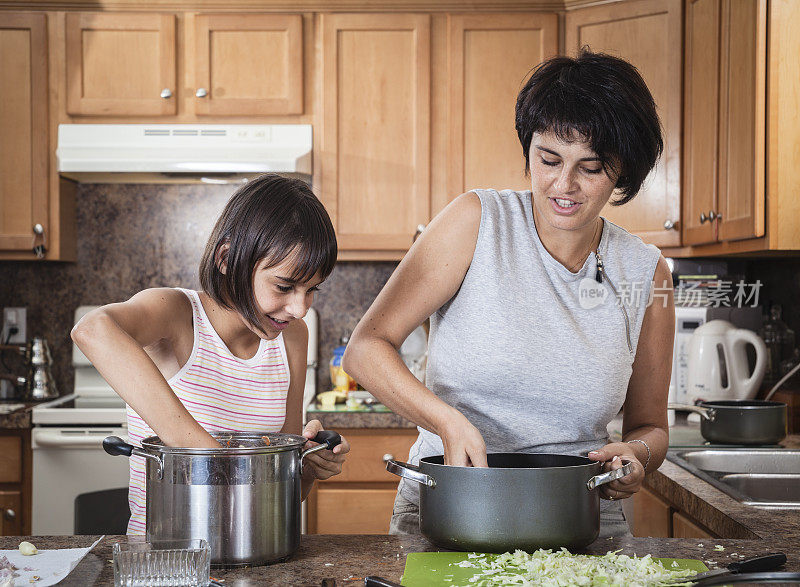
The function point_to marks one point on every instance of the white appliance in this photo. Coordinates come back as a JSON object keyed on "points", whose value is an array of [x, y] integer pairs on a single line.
{"points": [[718, 364], [67, 436], [214, 153]]}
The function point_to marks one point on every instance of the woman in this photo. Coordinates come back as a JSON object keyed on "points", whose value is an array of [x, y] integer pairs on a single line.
{"points": [[529, 349]]}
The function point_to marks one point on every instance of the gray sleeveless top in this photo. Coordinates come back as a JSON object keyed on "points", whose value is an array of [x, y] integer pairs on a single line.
{"points": [[525, 350]]}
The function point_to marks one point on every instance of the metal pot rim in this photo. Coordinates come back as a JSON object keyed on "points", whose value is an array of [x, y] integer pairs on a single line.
{"points": [[289, 442], [743, 404], [587, 462]]}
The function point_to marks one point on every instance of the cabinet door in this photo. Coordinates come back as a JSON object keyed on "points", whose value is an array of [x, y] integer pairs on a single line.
{"points": [[701, 108], [489, 59], [375, 176], [646, 33], [742, 119], [120, 64], [23, 128], [651, 515], [684, 527], [11, 513], [353, 511], [248, 64]]}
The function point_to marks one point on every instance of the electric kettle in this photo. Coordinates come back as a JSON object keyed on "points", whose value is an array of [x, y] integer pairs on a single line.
{"points": [[718, 365]]}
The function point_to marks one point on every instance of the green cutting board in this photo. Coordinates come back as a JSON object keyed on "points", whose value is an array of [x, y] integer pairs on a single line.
{"points": [[428, 569]]}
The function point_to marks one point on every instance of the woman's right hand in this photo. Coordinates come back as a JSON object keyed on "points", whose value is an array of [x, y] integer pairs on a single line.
{"points": [[463, 443]]}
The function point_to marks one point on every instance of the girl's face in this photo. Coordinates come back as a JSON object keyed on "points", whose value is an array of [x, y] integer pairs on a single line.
{"points": [[279, 299], [568, 183]]}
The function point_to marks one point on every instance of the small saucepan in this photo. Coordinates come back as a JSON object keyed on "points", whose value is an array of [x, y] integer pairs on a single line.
{"points": [[739, 421]]}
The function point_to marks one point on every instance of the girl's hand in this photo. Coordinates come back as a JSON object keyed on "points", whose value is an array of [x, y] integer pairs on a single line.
{"points": [[325, 463], [613, 455], [463, 443]]}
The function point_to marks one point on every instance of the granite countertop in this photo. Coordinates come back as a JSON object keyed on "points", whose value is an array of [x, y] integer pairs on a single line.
{"points": [[347, 559], [342, 417], [19, 418]]}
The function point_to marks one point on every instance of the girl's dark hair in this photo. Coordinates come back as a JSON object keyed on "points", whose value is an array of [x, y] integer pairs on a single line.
{"points": [[270, 217], [602, 99]]}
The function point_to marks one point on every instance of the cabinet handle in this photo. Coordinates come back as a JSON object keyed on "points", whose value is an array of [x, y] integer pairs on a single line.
{"points": [[40, 248], [166, 93], [669, 224], [387, 457], [201, 93], [703, 217], [10, 515], [711, 215]]}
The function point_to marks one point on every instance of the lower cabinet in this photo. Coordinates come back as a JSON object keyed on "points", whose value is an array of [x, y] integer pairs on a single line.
{"points": [[360, 499], [654, 517], [15, 482]]}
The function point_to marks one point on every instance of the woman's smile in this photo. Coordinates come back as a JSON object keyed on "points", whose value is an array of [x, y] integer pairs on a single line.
{"points": [[564, 206]]}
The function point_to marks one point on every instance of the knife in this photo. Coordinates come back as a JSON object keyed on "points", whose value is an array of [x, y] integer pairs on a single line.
{"points": [[756, 564]]}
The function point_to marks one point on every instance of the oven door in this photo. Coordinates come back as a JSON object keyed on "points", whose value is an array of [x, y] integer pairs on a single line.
{"points": [[69, 462]]}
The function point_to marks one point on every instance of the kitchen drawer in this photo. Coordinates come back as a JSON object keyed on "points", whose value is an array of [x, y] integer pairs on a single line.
{"points": [[369, 449], [10, 459], [10, 513], [353, 511]]}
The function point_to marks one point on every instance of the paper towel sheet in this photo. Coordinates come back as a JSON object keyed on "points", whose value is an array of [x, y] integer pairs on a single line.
{"points": [[50, 566]]}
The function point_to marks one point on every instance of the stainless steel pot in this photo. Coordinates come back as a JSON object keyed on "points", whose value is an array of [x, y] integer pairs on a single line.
{"points": [[748, 422], [243, 498], [521, 500]]}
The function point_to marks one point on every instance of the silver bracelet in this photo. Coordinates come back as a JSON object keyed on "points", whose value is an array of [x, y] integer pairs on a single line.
{"points": [[648, 451]]}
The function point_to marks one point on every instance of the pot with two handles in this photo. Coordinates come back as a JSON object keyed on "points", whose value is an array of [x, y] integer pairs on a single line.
{"points": [[522, 500], [242, 498]]}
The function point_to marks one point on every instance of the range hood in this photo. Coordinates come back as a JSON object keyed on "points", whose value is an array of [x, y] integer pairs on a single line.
{"points": [[182, 153]]}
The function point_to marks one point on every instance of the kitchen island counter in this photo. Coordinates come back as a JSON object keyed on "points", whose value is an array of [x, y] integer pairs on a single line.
{"points": [[347, 559]]}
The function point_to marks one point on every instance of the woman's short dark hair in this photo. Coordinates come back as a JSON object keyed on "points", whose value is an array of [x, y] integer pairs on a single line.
{"points": [[602, 99], [271, 217]]}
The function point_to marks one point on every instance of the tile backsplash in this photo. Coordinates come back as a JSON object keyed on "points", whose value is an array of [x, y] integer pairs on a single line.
{"points": [[132, 237]]}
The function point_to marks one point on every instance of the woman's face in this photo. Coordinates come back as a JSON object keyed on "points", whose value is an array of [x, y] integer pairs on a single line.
{"points": [[568, 183], [279, 299]]}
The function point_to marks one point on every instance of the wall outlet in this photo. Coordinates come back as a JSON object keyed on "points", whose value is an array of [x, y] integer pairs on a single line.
{"points": [[14, 318]]}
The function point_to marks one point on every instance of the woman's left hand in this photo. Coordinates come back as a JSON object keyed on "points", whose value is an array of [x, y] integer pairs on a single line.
{"points": [[613, 456], [325, 463]]}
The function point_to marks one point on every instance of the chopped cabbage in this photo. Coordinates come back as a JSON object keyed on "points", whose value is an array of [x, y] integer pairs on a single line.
{"points": [[561, 568]]}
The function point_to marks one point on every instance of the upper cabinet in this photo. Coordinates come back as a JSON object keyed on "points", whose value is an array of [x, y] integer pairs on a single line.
{"points": [[648, 34], [725, 120], [248, 64], [375, 130], [24, 148], [121, 64], [490, 57]]}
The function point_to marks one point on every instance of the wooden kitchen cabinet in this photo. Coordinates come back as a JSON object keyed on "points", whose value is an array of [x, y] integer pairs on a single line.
{"points": [[15, 482], [725, 120], [248, 64], [684, 527], [651, 515], [360, 499], [490, 56], [375, 127], [24, 148], [121, 64], [647, 33]]}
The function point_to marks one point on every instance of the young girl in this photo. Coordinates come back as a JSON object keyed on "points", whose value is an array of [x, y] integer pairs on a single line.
{"points": [[232, 356]]}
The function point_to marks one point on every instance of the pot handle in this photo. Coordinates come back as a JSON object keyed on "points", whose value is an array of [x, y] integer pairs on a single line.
{"points": [[115, 446], [706, 413], [327, 439], [410, 472], [609, 476]]}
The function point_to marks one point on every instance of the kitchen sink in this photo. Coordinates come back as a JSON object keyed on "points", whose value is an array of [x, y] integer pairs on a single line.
{"points": [[764, 478]]}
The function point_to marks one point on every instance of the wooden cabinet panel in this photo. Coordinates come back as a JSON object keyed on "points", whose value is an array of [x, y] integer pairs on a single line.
{"points": [[11, 513], [369, 451], [651, 515], [23, 127], [485, 78], [701, 103], [353, 511], [683, 527], [647, 33], [248, 64], [375, 125], [743, 119], [10, 459], [119, 64]]}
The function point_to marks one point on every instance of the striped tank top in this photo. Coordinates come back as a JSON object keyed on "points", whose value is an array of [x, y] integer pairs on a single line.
{"points": [[221, 392]]}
